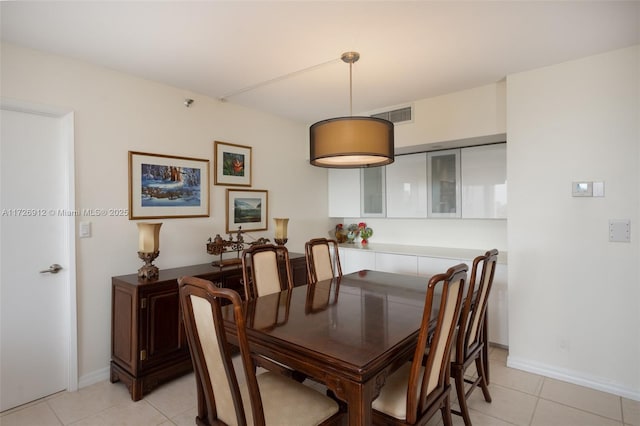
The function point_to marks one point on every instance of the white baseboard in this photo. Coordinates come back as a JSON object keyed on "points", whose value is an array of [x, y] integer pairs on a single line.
{"points": [[94, 377], [574, 377]]}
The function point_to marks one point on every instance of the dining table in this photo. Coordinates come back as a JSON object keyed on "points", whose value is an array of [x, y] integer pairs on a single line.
{"points": [[348, 333]]}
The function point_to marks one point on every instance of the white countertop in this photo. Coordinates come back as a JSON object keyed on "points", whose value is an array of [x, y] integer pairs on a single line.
{"points": [[442, 252]]}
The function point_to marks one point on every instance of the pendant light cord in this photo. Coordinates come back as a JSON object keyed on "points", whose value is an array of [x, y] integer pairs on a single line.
{"points": [[351, 89]]}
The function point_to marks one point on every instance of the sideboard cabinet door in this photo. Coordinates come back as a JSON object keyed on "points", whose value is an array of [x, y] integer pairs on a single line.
{"points": [[161, 326]]}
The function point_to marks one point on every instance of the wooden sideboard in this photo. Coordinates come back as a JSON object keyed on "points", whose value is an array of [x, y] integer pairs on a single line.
{"points": [[148, 342]]}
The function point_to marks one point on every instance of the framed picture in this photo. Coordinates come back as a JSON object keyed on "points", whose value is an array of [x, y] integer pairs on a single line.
{"points": [[247, 209], [232, 164], [166, 186]]}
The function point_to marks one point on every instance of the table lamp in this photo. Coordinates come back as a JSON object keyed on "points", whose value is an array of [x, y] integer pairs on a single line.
{"points": [[281, 230], [149, 242]]}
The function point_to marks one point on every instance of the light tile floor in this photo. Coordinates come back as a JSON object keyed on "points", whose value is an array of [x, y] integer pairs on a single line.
{"points": [[519, 398]]}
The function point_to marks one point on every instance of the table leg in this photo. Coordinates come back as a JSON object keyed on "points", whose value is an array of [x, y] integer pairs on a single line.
{"points": [[358, 397]]}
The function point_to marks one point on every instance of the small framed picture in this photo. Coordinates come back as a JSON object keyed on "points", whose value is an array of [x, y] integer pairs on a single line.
{"points": [[167, 186], [232, 164], [247, 209]]}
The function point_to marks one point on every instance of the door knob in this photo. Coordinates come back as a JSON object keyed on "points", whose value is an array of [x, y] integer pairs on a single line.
{"points": [[53, 269]]}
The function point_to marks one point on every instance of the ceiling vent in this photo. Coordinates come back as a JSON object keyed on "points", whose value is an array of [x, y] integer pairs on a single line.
{"points": [[399, 115]]}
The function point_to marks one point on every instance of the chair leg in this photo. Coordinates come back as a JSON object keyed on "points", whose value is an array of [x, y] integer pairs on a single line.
{"points": [[483, 381], [462, 398], [446, 411]]}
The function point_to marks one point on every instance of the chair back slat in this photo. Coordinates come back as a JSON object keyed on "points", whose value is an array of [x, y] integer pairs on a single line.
{"points": [[427, 383], [323, 260]]}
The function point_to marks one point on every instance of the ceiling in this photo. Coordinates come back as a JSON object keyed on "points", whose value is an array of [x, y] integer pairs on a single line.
{"points": [[287, 53]]}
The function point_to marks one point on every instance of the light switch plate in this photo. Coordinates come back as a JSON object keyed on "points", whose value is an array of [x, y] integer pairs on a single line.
{"points": [[85, 230], [598, 189], [620, 230]]}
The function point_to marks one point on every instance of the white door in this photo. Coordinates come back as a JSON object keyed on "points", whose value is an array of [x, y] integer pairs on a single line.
{"points": [[37, 315]]}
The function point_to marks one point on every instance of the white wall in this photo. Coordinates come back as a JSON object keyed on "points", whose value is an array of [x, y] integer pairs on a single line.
{"points": [[115, 113], [574, 297], [459, 115]]}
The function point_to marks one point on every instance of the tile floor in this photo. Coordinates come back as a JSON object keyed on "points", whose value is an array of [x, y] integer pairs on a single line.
{"points": [[519, 398]]}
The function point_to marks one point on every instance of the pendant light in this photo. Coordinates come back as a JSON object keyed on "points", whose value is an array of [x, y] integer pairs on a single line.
{"points": [[351, 142]]}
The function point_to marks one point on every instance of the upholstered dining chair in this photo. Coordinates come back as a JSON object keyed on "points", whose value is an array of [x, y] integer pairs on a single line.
{"points": [[262, 275], [323, 259], [227, 397], [469, 345], [262, 270], [420, 388]]}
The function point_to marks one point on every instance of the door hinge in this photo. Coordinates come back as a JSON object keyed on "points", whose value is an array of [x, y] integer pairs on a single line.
{"points": [[143, 355], [143, 303]]}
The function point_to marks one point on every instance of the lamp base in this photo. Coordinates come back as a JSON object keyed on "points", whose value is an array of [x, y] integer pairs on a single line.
{"points": [[148, 271], [281, 241]]}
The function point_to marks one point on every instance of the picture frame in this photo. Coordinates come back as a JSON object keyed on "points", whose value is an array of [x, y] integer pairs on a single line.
{"points": [[167, 186], [247, 209], [232, 164]]}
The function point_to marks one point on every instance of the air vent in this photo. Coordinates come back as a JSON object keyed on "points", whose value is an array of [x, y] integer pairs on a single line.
{"points": [[396, 116]]}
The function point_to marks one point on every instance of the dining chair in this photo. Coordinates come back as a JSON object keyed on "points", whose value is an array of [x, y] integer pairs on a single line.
{"points": [[469, 345], [262, 275], [266, 269], [420, 388], [227, 397], [323, 259]]}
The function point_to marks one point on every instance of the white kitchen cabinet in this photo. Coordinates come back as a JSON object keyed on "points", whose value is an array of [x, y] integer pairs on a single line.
{"points": [[484, 181], [429, 266], [344, 192], [443, 179], [353, 260], [372, 191], [397, 263], [407, 186]]}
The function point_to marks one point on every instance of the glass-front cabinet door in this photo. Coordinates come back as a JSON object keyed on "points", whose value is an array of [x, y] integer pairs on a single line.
{"points": [[372, 192], [444, 183]]}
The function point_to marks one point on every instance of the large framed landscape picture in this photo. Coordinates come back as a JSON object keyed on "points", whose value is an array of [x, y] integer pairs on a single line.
{"points": [[232, 164], [247, 209], [166, 186]]}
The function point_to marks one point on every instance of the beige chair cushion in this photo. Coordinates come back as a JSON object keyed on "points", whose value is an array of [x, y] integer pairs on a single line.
{"points": [[393, 395], [266, 273], [289, 403], [322, 261]]}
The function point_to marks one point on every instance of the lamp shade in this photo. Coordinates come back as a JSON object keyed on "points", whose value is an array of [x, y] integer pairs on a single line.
{"points": [[281, 227], [149, 237], [351, 142]]}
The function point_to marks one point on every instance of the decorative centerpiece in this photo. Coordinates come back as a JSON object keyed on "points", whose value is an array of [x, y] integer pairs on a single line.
{"points": [[352, 233], [365, 233], [340, 234], [218, 246]]}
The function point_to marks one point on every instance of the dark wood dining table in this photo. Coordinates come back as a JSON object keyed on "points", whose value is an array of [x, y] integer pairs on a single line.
{"points": [[348, 334]]}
